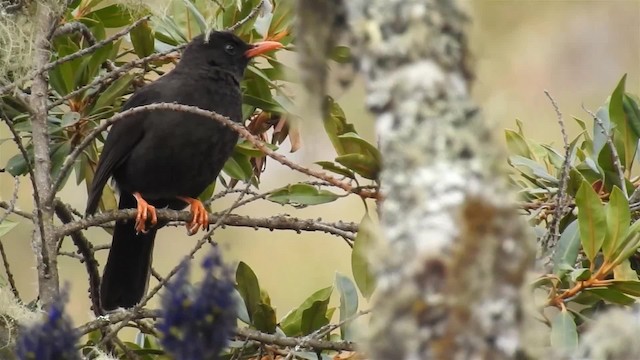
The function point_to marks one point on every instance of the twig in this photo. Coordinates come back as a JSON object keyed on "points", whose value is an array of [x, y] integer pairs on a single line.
{"points": [[137, 314], [254, 12], [364, 193], [115, 73], [553, 234], [635, 196], [293, 341], [5, 205], [279, 222], [12, 202], [23, 151], [77, 26], [616, 158], [327, 329], [7, 270], [194, 250], [85, 248]]}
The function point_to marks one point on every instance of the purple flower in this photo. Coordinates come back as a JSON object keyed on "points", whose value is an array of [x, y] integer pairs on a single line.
{"points": [[54, 338], [197, 321]]}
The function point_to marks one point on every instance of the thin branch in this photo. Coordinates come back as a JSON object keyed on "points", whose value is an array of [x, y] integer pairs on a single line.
{"points": [[279, 222], [7, 270], [254, 335], [77, 26], [112, 75], [203, 240], [12, 202], [254, 12], [5, 205], [85, 248], [294, 341], [616, 157], [553, 234], [23, 151], [66, 166]]}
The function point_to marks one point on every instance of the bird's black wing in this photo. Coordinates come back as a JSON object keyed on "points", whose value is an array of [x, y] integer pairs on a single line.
{"points": [[122, 138]]}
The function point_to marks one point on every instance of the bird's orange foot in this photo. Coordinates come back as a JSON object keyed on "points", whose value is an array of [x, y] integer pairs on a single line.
{"points": [[145, 211], [200, 217]]}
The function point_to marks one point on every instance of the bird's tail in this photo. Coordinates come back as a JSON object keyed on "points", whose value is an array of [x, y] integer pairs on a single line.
{"points": [[126, 274]]}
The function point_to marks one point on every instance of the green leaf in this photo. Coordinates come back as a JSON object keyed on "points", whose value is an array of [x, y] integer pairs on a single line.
{"points": [[248, 287], [238, 166], [291, 323], [592, 221], [69, 118], [113, 16], [360, 265], [516, 144], [631, 288], [567, 249], [57, 158], [246, 148], [314, 317], [632, 110], [200, 21], [301, 195], [564, 334], [262, 103], [264, 318], [335, 124], [283, 15], [580, 275], [624, 272], [622, 127], [113, 92], [531, 168], [17, 165], [334, 168], [63, 78], [341, 54], [348, 304], [629, 246], [142, 39], [618, 221], [611, 295], [361, 164], [6, 226]]}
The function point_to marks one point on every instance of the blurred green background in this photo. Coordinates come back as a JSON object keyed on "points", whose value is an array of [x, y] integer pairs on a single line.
{"points": [[577, 50]]}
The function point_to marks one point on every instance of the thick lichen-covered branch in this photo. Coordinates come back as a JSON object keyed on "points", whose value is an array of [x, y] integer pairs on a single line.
{"points": [[456, 252]]}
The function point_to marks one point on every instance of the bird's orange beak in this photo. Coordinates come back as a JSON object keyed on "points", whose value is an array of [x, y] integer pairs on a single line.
{"points": [[261, 48]]}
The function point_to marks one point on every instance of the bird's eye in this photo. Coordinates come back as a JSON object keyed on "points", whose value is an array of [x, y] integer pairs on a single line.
{"points": [[230, 49]]}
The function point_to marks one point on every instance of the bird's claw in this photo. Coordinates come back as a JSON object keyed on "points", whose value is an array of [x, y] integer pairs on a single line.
{"points": [[200, 217], [146, 212]]}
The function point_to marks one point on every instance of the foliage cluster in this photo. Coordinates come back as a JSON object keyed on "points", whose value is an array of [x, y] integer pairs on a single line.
{"points": [[107, 52], [589, 193]]}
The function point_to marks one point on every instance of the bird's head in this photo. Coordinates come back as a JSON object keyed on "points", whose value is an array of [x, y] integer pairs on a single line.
{"points": [[224, 50]]}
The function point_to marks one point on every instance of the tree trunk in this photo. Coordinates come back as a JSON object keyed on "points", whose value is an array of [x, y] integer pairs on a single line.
{"points": [[44, 242], [456, 252]]}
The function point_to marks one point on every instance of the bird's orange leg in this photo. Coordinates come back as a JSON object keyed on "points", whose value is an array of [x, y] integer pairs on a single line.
{"points": [[200, 217], [145, 211]]}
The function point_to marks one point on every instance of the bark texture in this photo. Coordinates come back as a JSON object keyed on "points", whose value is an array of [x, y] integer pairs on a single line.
{"points": [[456, 252], [45, 241]]}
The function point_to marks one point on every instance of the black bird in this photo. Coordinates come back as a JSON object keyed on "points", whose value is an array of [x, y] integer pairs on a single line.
{"points": [[167, 158]]}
